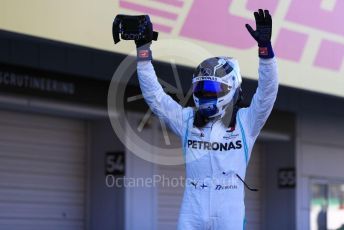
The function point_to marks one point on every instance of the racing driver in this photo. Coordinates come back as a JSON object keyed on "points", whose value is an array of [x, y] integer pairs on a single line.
{"points": [[218, 134]]}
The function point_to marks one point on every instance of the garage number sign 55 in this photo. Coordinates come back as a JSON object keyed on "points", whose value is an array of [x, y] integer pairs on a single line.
{"points": [[286, 178]]}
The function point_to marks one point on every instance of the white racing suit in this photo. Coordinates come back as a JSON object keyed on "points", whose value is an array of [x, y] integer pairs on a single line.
{"points": [[213, 196]]}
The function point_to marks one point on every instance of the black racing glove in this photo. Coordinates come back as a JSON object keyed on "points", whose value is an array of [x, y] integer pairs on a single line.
{"points": [[263, 32], [144, 52]]}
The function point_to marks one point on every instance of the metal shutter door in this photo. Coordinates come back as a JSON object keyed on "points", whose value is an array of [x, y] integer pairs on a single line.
{"points": [[169, 198], [42, 172]]}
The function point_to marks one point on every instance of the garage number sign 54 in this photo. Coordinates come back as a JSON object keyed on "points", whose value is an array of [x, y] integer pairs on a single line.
{"points": [[115, 164]]}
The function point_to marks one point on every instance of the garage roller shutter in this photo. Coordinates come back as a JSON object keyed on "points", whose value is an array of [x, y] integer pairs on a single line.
{"points": [[42, 172]]}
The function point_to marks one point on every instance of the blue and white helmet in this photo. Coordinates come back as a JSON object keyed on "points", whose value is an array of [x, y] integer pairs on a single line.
{"points": [[216, 84]]}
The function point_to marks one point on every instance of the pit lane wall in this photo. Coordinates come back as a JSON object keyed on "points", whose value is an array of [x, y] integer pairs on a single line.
{"points": [[308, 36]]}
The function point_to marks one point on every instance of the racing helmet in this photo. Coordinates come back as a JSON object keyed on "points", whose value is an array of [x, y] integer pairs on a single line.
{"points": [[216, 84]]}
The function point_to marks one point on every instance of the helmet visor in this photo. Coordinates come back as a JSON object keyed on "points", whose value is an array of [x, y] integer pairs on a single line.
{"points": [[210, 89]]}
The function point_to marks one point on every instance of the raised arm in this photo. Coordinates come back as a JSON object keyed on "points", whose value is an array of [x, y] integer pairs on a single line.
{"points": [[263, 100], [159, 102], [255, 116]]}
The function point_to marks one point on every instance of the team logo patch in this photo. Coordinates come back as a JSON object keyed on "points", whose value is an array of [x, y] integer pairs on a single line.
{"points": [[206, 71], [197, 133], [263, 51], [144, 53], [215, 146], [230, 135]]}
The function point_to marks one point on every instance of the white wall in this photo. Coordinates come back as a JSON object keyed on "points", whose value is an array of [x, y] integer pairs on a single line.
{"points": [[320, 154]]}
